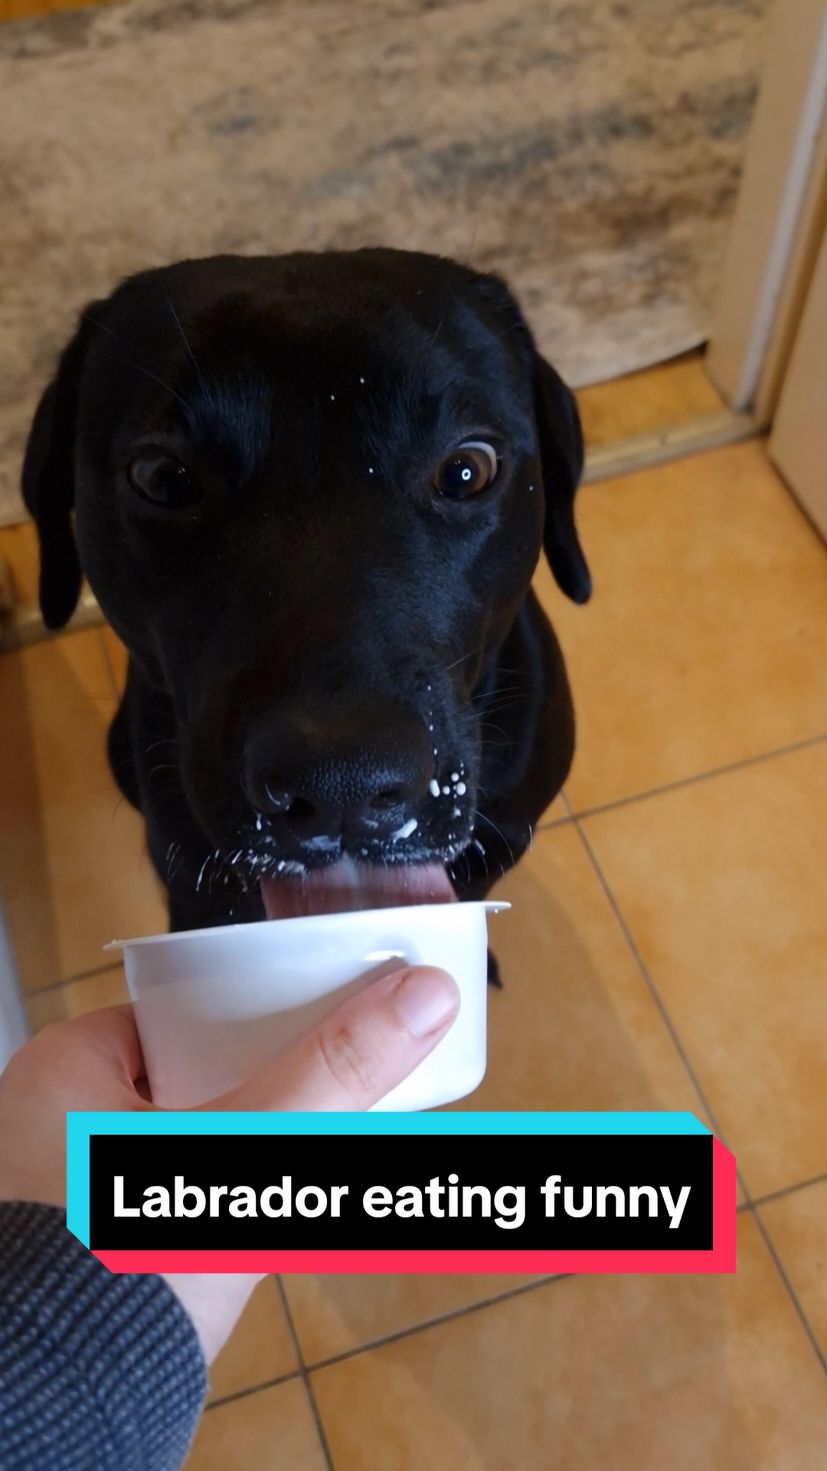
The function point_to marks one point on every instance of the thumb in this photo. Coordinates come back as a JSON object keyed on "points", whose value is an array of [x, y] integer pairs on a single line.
{"points": [[359, 1052]]}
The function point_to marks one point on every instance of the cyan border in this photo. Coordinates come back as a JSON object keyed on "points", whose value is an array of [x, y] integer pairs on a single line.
{"points": [[80, 1126]]}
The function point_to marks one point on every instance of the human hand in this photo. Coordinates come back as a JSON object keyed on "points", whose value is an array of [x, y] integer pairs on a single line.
{"points": [[352, 1058]]}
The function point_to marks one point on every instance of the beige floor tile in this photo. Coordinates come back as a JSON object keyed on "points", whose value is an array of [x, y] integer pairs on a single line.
{"points": [[260, 1348], [273, 1430], [18, 549], [722, 884], [117, 656], [557, 812], [574, 1028], [706, 639], [657, 398], [333, 1314], [74, 998], [797, 1224], [73, 870], [632, 1373]]}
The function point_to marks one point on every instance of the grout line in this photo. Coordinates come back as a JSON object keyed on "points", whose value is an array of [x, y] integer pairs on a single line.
{"points": [[791, 1293], [305, 1369], [308, 1387], [437, 1322], [748, 1203], [790, 1189], [687, 781], [546, 827], [229, 1399], [81, 975], [558, 821], [655, 994]]}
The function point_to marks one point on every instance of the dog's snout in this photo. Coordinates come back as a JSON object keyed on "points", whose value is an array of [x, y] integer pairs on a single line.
{"points": [[356, 773]]}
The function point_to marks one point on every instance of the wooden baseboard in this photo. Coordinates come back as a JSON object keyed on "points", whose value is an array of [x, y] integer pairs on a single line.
{"points": [[23, 625], [642, 451]]}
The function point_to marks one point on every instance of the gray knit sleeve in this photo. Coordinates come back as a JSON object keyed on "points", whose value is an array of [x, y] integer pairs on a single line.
{"points": [[97, 1372]]}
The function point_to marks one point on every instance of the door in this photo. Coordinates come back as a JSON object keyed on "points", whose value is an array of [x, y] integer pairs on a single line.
{"points": [[798, 443], [780, 218]]}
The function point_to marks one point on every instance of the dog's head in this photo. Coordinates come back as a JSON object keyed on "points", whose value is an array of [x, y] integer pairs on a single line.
{"points": [[310, 493]]}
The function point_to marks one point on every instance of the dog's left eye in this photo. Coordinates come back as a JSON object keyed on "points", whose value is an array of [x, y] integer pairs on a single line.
{"points": [[163, 481], [471, 468]]}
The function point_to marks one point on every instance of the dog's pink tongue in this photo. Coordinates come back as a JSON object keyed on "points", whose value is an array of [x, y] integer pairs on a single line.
{"points": [[348, 885]]}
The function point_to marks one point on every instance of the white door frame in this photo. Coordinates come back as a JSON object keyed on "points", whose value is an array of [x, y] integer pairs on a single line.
{"points": [[13, 1026], [780, 215]]}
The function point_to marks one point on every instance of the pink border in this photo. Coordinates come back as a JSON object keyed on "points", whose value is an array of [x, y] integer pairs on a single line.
{"points": [[720, 1259]]}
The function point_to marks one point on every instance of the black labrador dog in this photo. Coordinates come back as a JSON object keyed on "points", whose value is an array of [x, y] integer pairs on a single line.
{"points": [[310, 492]]}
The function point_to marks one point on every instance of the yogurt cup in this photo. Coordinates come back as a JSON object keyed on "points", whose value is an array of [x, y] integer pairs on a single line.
{"points": [[212, 1005]]}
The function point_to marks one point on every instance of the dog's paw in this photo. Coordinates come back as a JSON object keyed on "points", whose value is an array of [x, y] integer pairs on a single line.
{"points": [[494, 977]]}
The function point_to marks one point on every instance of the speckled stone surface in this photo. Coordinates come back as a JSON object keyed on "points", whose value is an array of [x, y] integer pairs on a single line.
{"points": [[590, 151]]}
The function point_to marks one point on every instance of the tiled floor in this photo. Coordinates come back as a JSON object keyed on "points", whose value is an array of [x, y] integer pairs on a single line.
{"points": [[661, 397], [667, 949]]}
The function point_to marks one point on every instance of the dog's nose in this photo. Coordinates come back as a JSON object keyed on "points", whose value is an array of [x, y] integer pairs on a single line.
{"points": [[356, 773]]}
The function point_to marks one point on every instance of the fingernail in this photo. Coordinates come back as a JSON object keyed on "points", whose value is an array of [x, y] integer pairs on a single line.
{"points": [[425, 999]]}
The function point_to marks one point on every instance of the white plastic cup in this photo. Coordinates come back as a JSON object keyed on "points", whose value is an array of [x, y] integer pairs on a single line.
{"points": [[212, 1005]]}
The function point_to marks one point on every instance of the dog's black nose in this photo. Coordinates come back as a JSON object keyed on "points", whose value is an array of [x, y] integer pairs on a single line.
{"points": [[325, 773]]}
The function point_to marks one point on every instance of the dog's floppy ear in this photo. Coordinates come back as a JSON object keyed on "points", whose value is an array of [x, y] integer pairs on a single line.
{"points": [[561, 458], [49, 484]]}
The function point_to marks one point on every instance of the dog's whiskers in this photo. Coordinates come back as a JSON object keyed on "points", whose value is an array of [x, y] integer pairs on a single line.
{"points": [[461, 660], [489, 725], [201, 872], [215, 855], [497, 693], [500, 835], [480, 847], [498, 708], [137, 366], [185, 340], [436, 334], [164, 766]]}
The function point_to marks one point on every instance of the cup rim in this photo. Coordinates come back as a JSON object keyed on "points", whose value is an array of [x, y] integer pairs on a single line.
{"points": [[490, 906]]}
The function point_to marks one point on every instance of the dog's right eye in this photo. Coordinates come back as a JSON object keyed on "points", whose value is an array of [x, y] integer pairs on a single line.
{"points": [[163, 481]]}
